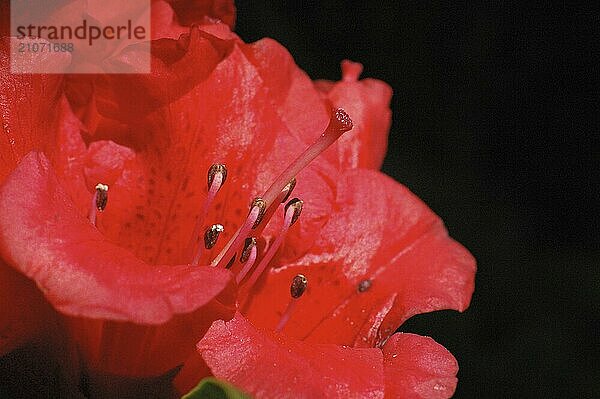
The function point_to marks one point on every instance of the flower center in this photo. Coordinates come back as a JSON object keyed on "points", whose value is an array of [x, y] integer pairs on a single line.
{"points": [[244, 241]]}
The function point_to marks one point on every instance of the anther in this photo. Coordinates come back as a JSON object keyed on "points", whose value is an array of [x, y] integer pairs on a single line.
{"points": [[101, 196], [240, 235], [297, 288], [99, 201], [288, 190], [249, 262], [288, 220], [364, 285], [248, 245], [219, 170], [211, 235], [217, 174], [262, 207], [296, 205], [299, 284]]}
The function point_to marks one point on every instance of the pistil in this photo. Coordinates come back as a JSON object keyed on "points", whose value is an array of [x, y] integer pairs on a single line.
{"points": [[248, 258], [339, 123]]}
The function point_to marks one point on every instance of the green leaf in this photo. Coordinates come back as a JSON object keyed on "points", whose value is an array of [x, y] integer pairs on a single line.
{"points": [[211, 388]]}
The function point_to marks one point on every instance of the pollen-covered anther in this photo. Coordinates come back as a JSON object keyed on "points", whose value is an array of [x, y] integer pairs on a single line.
{"points": [[262, 208], [296, 205], [249, 243], [364, 285], [248, 258], [216, 176], [101, 196], [298, 286], [292, 211], [257, 212], [99, 201], [288, 189], [219, 171], [211, 235]]}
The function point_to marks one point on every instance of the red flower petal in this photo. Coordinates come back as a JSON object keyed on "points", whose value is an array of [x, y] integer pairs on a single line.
{"points": [[273, 366], [378, 231], [220, 120], [79, 272], [269, 365], [110, 296], [418, 367], [28, 107], [177, 66], [368, 102], [292, 92]]}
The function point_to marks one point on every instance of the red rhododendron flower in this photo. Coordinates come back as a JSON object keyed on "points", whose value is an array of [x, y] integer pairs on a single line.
{"points": [[125, 288]]}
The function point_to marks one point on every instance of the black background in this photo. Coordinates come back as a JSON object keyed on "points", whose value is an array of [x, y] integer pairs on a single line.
{"points": [[495, 115]]}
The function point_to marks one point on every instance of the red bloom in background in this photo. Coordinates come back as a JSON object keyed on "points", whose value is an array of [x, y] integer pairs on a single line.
{"points": [[122, 296]]}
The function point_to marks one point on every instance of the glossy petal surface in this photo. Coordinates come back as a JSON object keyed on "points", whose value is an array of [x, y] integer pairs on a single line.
{"points": [[273, 366], [411, 264], [270, 365], [368, 101], [28, 107], [418, 368], [43, 236]]}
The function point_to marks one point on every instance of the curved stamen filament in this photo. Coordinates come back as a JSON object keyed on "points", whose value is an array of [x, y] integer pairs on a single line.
{"points": [[248, 265], [238, 238], [286, 315], [217, 174], [292, 212], [282, 197], [299, 285]]}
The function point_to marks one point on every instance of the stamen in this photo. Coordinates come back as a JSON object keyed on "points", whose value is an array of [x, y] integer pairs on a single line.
{"points": [[251, 250], [297, 205], [217, 174], [99, 201], [281, 198], [217, 170], [211, 235], [262, 206], [339, 123], [299, 285], [257, 210], [292, 213], [288, 189], [364, 285], [248, 245]]}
